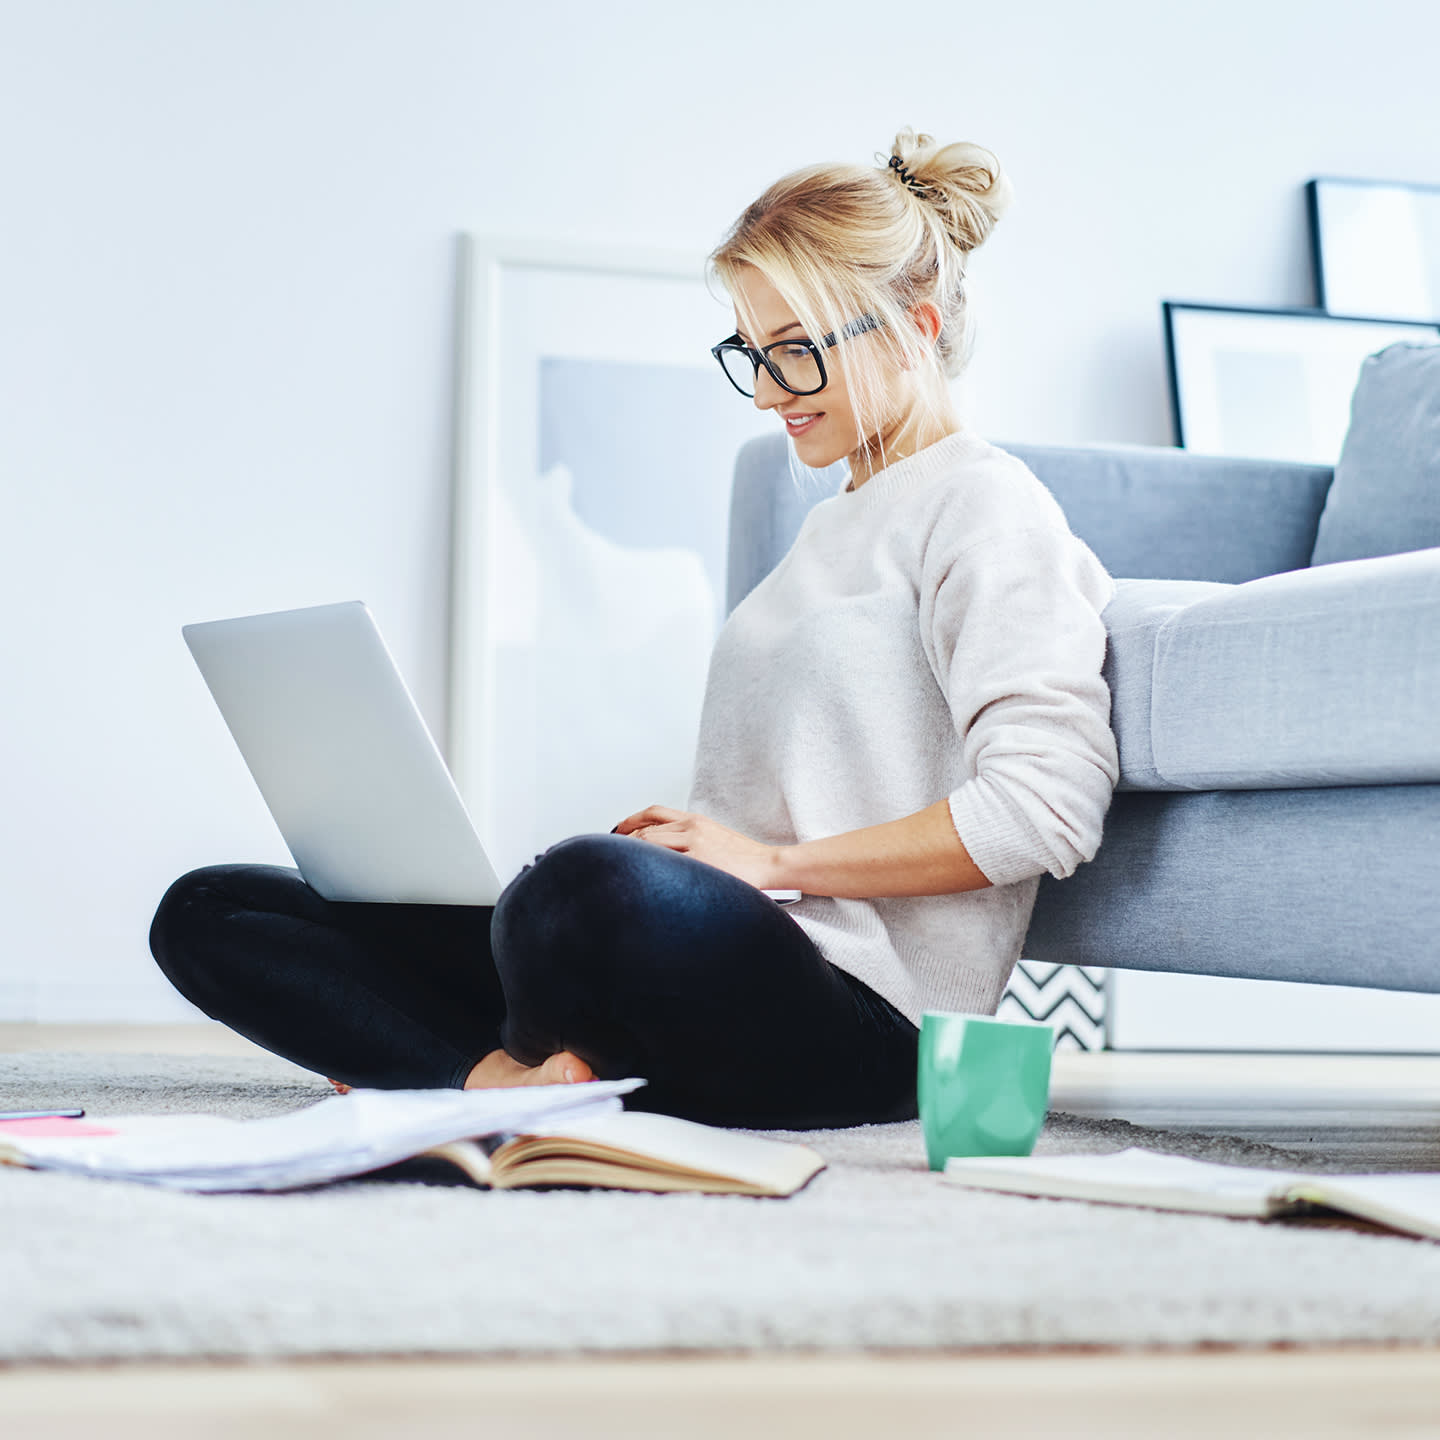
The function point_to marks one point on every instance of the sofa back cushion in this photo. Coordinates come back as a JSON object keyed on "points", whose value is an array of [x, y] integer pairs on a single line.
{"points": [[1385, 497], [1152, 512]]}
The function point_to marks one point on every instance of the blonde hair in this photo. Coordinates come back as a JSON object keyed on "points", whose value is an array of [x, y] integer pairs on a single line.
{"points": [[842, 241]]}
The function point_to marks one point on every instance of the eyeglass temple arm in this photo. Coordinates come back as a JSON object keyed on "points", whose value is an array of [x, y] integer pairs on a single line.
{"points": [[855, 327]]}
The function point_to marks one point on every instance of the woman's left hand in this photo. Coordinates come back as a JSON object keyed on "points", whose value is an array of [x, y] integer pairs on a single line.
{"points": [[707, 840]]}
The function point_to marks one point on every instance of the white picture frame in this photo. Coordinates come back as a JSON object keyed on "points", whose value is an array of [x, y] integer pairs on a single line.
{"points": [[1271, 384], [1376, 247], [585, 601]]}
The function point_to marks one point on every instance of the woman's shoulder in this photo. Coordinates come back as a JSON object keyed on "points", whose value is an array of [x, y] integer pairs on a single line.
{"points": [[985, 491], [991, 513]]}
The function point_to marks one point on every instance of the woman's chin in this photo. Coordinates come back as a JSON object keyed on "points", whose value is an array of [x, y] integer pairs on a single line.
{"points": [[814, 452]]}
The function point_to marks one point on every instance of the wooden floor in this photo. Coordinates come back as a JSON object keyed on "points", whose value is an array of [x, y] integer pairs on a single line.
{"points": [[1373, 1112], [1247, 1396], [1376, 1112]]}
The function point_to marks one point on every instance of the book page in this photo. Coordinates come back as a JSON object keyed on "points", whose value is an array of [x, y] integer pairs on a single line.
{"points": [[1141, 1177], [468, 1157], [1404, 1202], [774, 1165], [19, 1148]]}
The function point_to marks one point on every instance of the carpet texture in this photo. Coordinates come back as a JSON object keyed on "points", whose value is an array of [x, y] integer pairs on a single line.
{"points": [[875, 1253]]}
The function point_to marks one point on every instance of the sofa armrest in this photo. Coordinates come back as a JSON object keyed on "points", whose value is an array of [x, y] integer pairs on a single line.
{"points": [[1317, 677]]}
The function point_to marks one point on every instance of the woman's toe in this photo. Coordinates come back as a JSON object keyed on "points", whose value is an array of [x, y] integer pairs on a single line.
{"points": [[564, 1068]]}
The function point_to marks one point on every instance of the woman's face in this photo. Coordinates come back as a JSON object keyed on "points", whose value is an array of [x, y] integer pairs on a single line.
{"points": [[822, 425]]}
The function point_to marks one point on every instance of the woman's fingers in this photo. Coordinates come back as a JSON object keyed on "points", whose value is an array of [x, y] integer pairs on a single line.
{"points": [[656, 815], [650, 815]]}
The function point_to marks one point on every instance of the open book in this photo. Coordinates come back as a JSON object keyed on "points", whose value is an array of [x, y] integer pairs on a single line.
{"points": [[632, 1150], [533, 1135], [1408, 1202]]}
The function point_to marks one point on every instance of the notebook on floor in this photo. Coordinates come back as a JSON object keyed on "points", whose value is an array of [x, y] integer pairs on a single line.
{"points": [[1407, 1202]]}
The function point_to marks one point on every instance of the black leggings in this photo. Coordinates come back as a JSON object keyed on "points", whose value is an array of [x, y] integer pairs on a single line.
{"points": [[640, 960]]}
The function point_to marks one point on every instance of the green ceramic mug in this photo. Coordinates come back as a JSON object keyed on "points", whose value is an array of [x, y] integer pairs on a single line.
{"points": [[983, 1084]]}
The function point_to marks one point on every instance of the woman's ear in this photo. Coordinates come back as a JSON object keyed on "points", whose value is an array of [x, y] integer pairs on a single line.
{"points": [[927, 316], [927, 320]]}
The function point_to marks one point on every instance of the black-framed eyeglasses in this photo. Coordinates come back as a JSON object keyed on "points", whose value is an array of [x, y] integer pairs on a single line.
{"points": [[794, 365]]}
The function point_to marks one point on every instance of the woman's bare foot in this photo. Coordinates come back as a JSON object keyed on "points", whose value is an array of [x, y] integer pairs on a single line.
{"points": [[499, 1069]]}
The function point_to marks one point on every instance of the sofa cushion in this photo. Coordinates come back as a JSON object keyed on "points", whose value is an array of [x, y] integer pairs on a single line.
{"points": [[1385, 497], [1326, 676], [1337, 884]]}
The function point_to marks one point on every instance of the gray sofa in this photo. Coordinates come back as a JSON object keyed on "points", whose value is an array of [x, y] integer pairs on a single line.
{"points": [[1274, 666]]}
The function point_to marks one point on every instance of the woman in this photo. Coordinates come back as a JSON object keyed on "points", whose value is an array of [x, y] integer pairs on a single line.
{"points": [[906, 720]]}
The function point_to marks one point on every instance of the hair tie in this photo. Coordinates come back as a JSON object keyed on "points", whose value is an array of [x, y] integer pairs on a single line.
{"points": [[917, 187]]}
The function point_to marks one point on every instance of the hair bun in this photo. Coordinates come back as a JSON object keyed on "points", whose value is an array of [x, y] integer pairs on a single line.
{"points": [[964, 182]]}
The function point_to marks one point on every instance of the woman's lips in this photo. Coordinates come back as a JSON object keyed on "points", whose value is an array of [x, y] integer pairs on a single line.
{"points": [[804, 422]]}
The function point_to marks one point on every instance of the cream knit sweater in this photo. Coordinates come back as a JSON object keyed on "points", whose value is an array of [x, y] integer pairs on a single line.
{"points": [[934, 633]]}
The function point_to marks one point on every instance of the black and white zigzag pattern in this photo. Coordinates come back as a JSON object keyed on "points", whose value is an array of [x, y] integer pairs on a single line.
{"points": [[1069, 997]]}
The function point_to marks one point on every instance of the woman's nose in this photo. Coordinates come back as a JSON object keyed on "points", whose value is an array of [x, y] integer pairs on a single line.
{"points": [[767, 393]]}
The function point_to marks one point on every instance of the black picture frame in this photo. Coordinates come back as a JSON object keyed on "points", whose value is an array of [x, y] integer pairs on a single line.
{"points": [[1196, 415]]}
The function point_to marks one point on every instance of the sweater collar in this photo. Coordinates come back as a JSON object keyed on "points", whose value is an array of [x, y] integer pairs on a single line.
{"points": [[933, 461]]}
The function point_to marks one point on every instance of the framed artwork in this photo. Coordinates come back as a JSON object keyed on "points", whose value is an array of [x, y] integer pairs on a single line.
{"points": [[1270, 384], [596, 438], [1376, 248]]}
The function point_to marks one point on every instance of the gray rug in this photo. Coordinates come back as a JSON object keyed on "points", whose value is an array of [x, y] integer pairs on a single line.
{"points": [[876, 1253]]}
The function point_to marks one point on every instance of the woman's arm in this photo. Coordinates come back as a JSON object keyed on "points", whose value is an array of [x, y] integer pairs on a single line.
{"points": [[1012, 626], [920, 854]]}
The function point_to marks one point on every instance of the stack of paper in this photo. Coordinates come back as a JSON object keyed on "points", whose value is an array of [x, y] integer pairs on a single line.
{"points": [[342, 1136]]}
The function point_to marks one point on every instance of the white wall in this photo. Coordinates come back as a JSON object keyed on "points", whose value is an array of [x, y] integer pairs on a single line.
{"points": [[226, 266]]}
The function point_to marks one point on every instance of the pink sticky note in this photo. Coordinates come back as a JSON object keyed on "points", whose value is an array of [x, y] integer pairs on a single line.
{"points": [[53, 1126]]}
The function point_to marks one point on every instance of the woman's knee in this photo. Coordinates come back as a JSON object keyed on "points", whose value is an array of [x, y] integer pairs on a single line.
{"points": [[186, 900], [578, 855], [185, 933], [576, 893]]}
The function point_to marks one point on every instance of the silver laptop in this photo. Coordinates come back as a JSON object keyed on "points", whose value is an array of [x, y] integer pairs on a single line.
{"points": [[343, 757]]}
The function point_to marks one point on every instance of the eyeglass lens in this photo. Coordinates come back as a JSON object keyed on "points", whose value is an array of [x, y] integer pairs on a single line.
{"points": [[798, 367]]}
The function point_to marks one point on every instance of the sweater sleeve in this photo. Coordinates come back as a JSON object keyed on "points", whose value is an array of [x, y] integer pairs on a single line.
{"points": [[1012, 626]]}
